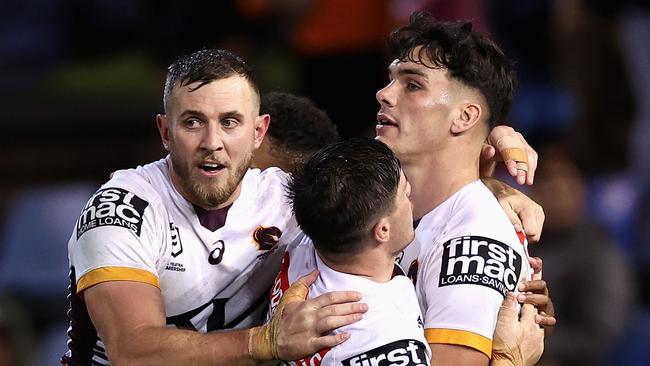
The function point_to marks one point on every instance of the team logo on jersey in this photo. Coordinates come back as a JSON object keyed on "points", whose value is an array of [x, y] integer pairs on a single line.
{"points": [[405, 352], [266, 238], [177, 245], [480, 261], [112, 207]]}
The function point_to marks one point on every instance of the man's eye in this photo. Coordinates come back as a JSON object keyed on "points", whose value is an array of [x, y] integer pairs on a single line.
{"points": [[192, 123], [412, 86], [229, 123]]}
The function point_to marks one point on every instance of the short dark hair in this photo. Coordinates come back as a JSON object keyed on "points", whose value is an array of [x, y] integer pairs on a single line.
{"points": [[339, 192], [298, 128], [467, 55], [206, 66]]}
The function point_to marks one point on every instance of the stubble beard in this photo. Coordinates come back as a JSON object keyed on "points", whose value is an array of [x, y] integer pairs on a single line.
{"points": [[211, 193]]}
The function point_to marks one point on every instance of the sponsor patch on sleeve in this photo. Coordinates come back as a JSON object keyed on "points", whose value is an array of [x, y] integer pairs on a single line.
{"points": [[112, 207], [478, 260], [405, 352]]}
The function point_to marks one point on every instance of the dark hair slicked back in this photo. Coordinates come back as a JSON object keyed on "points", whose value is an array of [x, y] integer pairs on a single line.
{"points": [[205, 66], [467, 55]]}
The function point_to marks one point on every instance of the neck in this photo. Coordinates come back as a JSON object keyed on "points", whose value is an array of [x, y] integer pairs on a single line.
{"points": [[373, 264], [437, 175]]}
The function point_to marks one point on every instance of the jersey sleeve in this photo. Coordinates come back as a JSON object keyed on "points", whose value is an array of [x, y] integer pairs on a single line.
{"points": [[465, 281], [117, 237]]}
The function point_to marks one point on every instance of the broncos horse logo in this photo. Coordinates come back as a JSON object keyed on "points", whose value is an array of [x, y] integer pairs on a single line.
{"points": [[266, 237]]}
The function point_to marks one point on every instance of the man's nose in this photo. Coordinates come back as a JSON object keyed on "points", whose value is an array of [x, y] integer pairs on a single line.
{"points": [[385, 95], [212, 140]]}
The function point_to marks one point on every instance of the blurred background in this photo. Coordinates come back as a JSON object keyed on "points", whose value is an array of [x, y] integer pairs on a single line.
{"points": [[81, 82]]}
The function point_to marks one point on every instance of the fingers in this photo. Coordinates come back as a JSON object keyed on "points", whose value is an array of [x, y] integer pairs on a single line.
{"points": [[336, 297], [510, 212], [302, 324], [522, 211], [532, 163], [343, 309], [488, 161], [299, 290], [537, 264], [532, 219], [513, 151], [511, 166], [521, 175], [330, 341], [330, 323], [519, 157], [335, 316], [309, 279], [508, 306], [545, 320], [516, 162], [534, 286], [296, 292], [528, 313], [488, 152], [539, 301]]}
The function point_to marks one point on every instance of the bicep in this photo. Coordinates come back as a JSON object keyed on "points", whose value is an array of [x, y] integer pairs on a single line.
{"points": [[450, 355], [119, 308]]}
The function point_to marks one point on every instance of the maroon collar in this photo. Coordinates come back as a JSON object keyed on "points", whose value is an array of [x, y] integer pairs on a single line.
{"points": [[212, 219]]}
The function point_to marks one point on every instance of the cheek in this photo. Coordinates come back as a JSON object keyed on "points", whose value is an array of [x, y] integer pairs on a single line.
{"points": [[240, 142], [184, 147]]}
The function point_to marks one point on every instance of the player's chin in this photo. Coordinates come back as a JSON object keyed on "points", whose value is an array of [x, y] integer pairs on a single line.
{"points": [[386, 139]]}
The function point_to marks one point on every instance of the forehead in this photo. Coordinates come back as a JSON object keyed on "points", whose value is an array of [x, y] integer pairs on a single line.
{"points": [[399, 68], [417, 63], [233, 93]]}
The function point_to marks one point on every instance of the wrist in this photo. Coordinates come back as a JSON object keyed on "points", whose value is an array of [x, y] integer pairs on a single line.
{"points": [[260, 347]]}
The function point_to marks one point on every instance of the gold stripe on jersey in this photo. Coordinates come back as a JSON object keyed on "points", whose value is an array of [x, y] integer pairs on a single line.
{"points": [[105, 274], [459, 337]]}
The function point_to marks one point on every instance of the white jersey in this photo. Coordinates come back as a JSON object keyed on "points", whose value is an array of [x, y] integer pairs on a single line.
{"points": [[391, 330], [464, 259], [137, 227]]}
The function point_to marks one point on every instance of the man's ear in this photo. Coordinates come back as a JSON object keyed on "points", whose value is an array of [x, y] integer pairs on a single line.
{"points": [[381, 230], [163, 128], [468, 115], [261, 126]]}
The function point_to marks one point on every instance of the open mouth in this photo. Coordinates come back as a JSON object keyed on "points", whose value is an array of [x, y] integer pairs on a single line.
{"points": [[384, 120], [211, 167]]}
